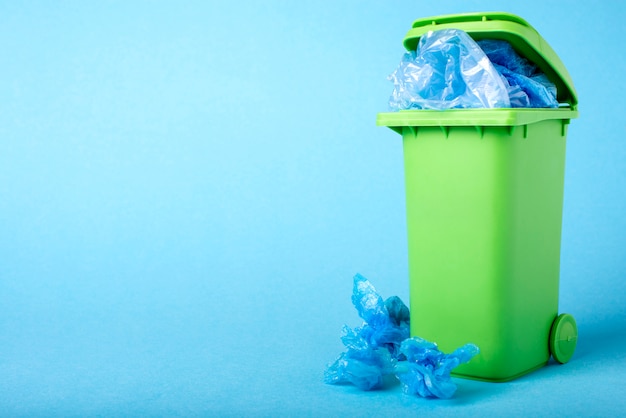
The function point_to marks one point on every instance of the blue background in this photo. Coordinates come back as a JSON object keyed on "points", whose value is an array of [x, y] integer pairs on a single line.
{"points": [[187, 189]]}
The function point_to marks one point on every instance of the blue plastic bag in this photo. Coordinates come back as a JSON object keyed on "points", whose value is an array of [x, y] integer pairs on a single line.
{"points": [[426, 371], [373, 348], [362, 364], [526, 84], [448, 70], [381, 347]]}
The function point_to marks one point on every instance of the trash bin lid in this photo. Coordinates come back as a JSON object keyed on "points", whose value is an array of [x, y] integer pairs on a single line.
{"points": [[504, 26]]}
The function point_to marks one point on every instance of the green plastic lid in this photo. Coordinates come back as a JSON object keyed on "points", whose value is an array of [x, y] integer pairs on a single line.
{"points": [[505, 26]]}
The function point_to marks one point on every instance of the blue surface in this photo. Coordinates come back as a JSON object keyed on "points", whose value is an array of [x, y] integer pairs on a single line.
{"points": [[187, 190]]}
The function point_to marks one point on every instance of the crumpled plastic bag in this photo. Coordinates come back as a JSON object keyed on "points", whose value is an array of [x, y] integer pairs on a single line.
{"points": [[362, 365], [526, 84], [381, 347], [448, 70], [386, 323], [373, 348], [426, 371]]}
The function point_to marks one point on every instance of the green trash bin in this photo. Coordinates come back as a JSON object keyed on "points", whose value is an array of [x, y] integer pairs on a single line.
{"points": [[484, 199]]}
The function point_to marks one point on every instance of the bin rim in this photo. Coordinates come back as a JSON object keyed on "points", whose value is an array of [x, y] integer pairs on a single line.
{"points": [[504, 26], [472, 117]]}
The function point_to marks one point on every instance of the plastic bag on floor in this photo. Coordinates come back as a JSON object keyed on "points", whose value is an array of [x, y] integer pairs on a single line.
{"points": [[381, 347], [426, 371], [374, 347]]}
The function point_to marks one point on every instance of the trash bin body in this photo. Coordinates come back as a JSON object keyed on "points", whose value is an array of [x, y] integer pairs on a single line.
{"points": [[484, 198]]}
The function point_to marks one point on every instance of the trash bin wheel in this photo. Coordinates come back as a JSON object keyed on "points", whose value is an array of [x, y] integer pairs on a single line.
{"points": [[563, 338]]}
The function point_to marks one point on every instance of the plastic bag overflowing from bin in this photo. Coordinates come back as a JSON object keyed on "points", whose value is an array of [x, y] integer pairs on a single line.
{"points": [[526, 85], [381, 347], [450, 70]]}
